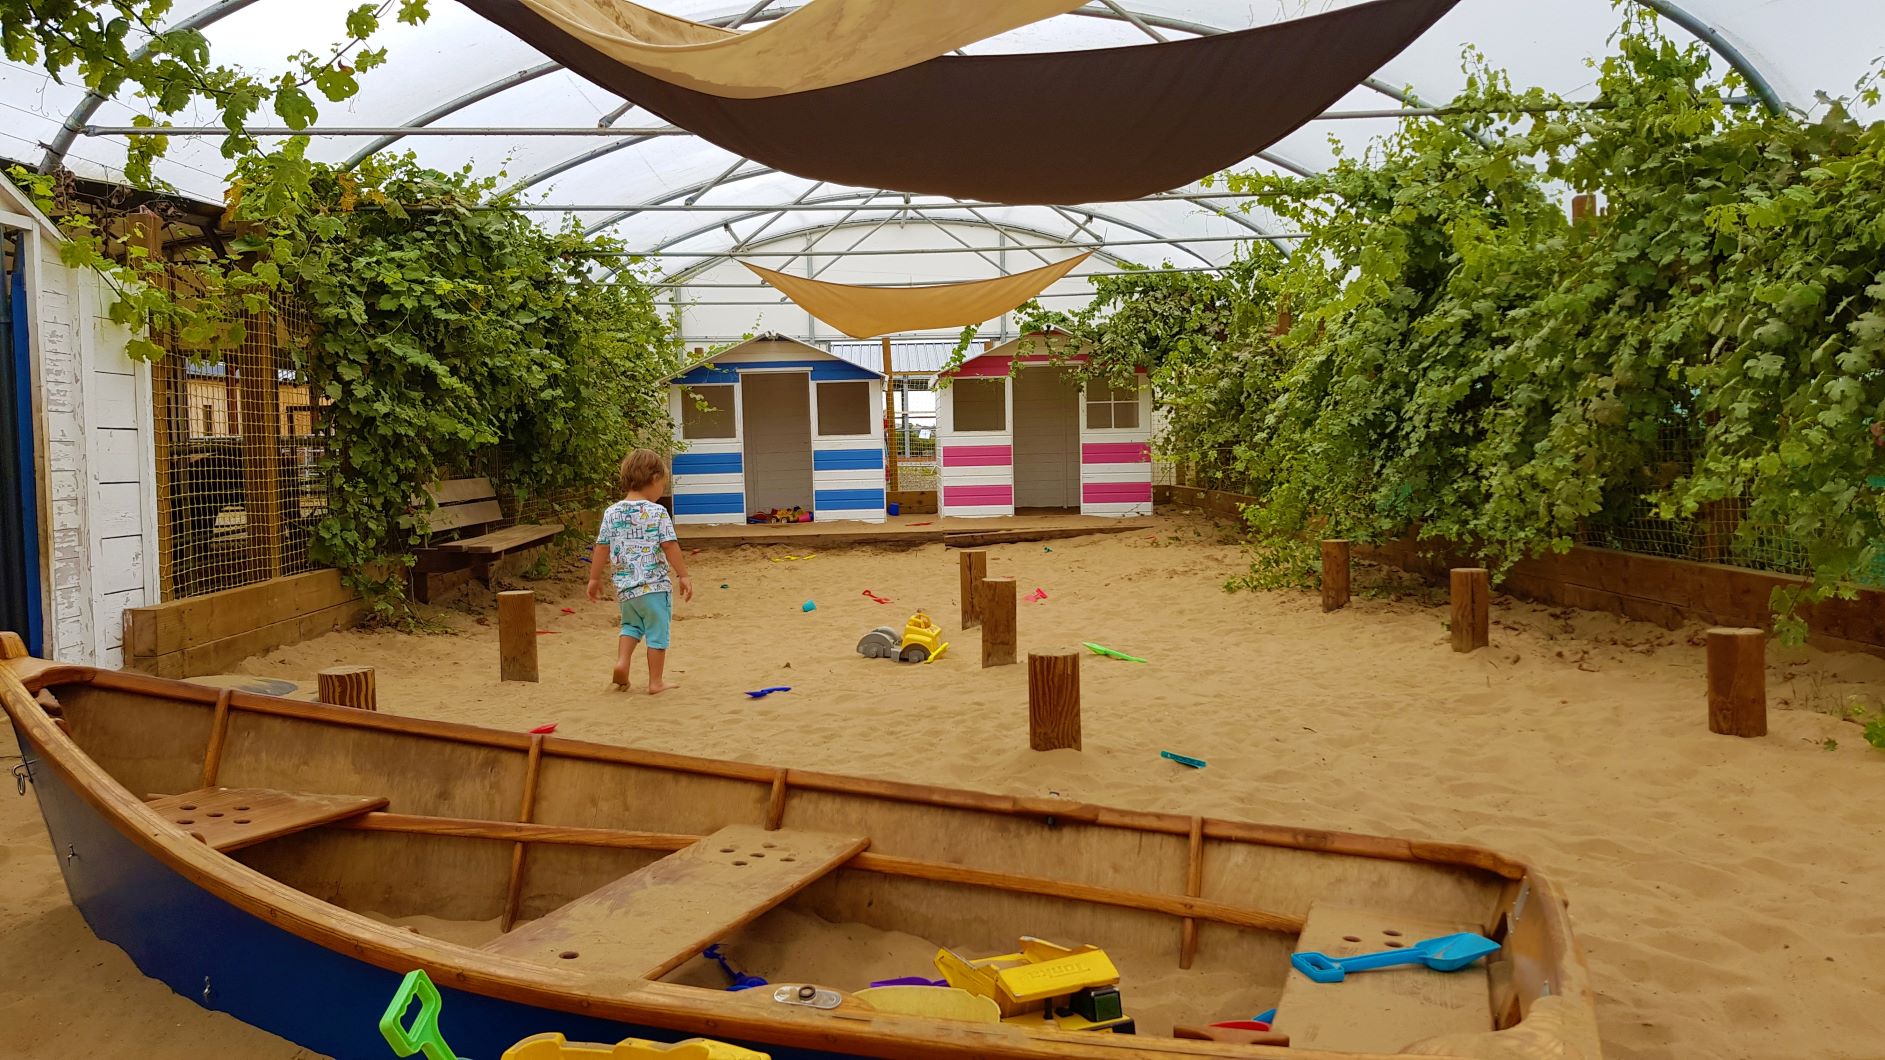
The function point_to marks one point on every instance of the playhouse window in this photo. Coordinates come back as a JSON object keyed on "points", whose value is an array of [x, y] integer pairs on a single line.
{"points": [[844, 408], [981, 404], [713, 421], [1110, 407]]}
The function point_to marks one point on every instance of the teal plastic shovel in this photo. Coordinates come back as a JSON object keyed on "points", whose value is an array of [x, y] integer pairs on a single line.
{"points": [[1448, 953]]}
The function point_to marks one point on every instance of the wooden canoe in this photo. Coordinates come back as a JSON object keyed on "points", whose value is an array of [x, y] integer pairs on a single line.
{"points": [[233, 844]]}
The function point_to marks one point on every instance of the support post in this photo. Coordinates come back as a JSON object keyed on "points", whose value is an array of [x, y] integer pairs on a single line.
{"points": [[348, 686], [890, 422], [256, 416], [1335, 568], [974, 563], [517, 635], [1737, 682], [1054, 701], [514, 891], [997, 607], [1472, 608]]}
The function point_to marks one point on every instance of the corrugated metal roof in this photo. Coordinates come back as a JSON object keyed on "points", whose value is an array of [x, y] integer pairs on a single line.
{"points": [[925, 356]]}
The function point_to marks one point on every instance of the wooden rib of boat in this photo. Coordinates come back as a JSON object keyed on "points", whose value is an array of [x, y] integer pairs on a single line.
{"points": [[234, 844]]}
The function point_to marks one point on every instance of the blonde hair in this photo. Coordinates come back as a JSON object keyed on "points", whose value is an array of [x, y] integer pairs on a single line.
{"points": [[640, 469]]}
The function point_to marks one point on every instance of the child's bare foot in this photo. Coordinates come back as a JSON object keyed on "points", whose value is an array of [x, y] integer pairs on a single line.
{"points": [[621, 677], [657, 689]]}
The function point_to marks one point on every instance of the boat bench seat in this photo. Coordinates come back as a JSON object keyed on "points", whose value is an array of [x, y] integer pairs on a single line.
{"points": [[232, 818], [1382, 1011], [654, 919]]}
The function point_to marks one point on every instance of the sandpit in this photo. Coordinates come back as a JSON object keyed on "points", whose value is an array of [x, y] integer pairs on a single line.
{"points": [[1726, 890]]}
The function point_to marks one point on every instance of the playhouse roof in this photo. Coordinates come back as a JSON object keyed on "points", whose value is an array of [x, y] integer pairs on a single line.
{"points": [[1055, 337], [803, 351]]}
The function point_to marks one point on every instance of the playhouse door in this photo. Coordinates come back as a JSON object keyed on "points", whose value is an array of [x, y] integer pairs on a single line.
{"points": [[975, 446], [1116, 450], [777, 428], [848, 449]]}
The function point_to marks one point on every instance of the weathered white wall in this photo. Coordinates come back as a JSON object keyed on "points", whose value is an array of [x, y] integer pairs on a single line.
{"points": [[98, 513]]}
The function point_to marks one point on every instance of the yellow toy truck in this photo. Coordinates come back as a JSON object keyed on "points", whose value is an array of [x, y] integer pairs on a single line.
{"points": [[1045, 985], [922, 642]]}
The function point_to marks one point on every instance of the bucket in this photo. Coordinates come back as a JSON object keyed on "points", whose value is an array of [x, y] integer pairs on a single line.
{"points": [[894, 508]]}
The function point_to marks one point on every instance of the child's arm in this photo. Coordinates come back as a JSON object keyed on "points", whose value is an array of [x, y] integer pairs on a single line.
{"points": [[678, 564], [598, 570]]}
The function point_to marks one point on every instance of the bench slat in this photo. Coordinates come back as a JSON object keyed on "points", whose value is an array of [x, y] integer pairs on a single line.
{"points": [[232, 818], [460, 490], [652, 920], [1382, 1011], [458, 516], [498, 542]]}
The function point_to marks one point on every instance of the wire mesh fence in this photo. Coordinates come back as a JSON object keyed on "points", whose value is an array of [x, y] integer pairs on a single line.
{"points": [[238, 450]]}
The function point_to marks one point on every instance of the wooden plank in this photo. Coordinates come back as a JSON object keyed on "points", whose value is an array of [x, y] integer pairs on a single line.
{"points": [[198, 620], [233, 818], [220, 656], [527, 807], [459, 516], [1381, 1011], [1194, 886], [218, 735], [460, 490], [648, 922], [498, 542]]}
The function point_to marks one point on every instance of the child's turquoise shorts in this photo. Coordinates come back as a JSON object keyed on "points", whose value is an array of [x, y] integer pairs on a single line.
{"points": [[646, 618]]}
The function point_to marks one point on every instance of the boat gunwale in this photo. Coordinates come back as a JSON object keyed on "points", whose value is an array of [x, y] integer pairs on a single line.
{"points": [[599, 994]]}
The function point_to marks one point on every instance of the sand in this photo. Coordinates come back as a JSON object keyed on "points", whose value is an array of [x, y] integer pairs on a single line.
{"points": [[1727, 891]]}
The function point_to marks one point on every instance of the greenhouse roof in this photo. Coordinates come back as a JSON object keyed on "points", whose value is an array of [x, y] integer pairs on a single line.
{"points": [[465, 93]]}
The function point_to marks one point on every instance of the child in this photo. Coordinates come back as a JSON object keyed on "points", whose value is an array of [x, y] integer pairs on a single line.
{"points": [[636, 535]]}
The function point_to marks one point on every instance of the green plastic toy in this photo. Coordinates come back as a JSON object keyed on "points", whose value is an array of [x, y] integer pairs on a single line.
{"points": [[1110, 653], [423, 1036]]}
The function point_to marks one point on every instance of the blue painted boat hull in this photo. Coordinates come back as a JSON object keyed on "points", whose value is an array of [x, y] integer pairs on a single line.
{"points": [[226, 959]]}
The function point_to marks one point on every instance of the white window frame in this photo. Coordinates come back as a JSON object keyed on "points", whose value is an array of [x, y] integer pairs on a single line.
{"points": [[1007, 392], [682, 398], [1087, 403], [868, 432]]}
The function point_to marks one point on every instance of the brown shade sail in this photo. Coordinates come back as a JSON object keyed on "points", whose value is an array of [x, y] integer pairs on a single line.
{"points": [[867, 312], [1066, 127], [824, 43]]}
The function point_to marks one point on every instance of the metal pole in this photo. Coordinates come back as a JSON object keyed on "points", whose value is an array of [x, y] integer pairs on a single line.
{"points": [[890, 419]]}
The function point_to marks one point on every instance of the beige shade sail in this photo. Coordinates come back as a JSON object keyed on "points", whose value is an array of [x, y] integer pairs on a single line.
{"points": [[824, 43], [867, 312]]}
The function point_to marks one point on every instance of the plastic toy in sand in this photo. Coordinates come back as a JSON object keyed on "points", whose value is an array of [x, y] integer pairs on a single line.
{"points": [[875, 597], [1045, 986], [762, 693], [421, 1035], [1099, 649], [1183, 760], [1447, 953], [921, 642], [736, 979], [781, 515]]}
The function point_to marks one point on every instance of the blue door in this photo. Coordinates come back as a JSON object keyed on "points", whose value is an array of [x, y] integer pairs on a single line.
{"points": [[19, 510]]}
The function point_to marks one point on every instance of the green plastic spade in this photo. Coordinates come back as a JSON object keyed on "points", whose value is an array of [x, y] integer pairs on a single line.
{"points": [[423, 1035]]}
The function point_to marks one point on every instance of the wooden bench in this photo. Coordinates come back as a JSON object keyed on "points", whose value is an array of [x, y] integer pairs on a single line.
{"points": [[1382, 1011], [232, 818], [652, 920], [465, 507]]}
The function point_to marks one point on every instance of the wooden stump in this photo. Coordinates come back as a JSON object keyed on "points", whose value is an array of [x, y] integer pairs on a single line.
{"points": [[517, 635], [1472, 603], [1737, 682], [1054, 701], [974, 569], [997, 607], [348, 686], [1334, 574]]}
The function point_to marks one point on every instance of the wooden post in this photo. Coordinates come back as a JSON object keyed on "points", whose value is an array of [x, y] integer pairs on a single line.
{"points": [[1334, 574], [997, 607], [514, 892], [1583, 208], [1737, 682], [258, 412], [517, 635], [1194, 886], [974, 569], [890, 422], [1054, 701], [1472, 602], [348, 686]]}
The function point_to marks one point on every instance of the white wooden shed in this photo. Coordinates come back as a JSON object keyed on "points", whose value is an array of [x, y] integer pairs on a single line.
{"points": [[81, 473], [1037, 438], [778, 423]]}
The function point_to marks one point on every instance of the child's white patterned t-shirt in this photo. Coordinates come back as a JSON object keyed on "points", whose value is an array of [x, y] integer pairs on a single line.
{"points": [[634, 531]]}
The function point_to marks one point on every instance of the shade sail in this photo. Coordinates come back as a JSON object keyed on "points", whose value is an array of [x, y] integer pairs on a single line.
{"points": [[1066, 127], [824, 43], [867, 312]]}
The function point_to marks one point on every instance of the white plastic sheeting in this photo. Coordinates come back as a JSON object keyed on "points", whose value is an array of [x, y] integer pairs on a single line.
{"points": [[1801, 47]]}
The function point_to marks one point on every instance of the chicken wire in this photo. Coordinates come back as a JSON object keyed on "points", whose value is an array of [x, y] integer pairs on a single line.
{"points": [[239, 490]]}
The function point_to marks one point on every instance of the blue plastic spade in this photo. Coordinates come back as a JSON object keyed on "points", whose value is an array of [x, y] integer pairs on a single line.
{"points": [[1448, 953]]}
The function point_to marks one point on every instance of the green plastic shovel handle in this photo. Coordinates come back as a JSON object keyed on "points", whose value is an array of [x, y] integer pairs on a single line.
{"points": [[423, 1035]]}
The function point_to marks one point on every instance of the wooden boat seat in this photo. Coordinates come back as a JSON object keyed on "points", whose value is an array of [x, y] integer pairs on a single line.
{"points": [[650, 921], [1381, 1011], [232, 818]]}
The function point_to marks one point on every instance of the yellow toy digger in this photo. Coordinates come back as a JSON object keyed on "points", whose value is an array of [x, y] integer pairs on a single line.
{"points": [[922, 642], [1045, 985]]}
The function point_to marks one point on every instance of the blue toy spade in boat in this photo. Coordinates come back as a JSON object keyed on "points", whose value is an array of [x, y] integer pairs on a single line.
{"points": [[1448, 953]]}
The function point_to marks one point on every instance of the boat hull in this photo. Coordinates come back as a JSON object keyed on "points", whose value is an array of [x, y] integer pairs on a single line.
{"points": [[228, 960]]}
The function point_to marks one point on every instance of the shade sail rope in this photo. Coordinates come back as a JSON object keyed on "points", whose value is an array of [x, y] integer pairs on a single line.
{"points": [[868, 312]]}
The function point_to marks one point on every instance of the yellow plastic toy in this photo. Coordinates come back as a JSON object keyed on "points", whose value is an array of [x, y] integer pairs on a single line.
{"points": [[1044, 985], [922, 642], [555, 1047]]}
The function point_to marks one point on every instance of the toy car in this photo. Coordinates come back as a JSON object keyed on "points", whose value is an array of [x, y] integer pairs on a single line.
{"points": [[921, 642]]}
